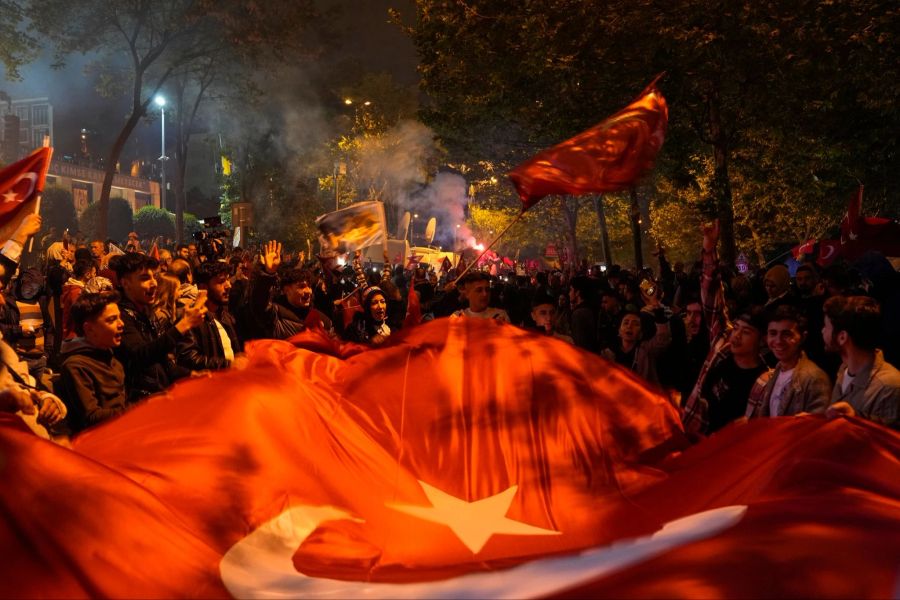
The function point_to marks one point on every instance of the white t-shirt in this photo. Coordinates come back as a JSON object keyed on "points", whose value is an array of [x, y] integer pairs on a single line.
{"points": [[847, 381], [488, 313], [781, 384]]}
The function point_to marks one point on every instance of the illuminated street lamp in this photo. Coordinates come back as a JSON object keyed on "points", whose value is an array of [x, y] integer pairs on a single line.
{"points": [[161, 103]]}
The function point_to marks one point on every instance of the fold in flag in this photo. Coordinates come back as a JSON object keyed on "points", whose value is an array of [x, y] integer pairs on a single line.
{"points": [[21, 184], [435, 466], [608, 157], [804, 249], [353, 228], [861, 234]]}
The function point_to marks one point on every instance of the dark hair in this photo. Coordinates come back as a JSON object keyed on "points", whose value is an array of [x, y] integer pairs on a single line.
{"points": [[83, 254], [295, 275], [540, 299], [473, 276], [180, 268], [208, 271], [82, 267], [859, 316], [90, 306], [808, 267], [133, 262], [583, 285], [787, 312]]}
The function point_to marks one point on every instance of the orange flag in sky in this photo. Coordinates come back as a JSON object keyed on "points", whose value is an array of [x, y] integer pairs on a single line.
{"points": [[608, 157]]}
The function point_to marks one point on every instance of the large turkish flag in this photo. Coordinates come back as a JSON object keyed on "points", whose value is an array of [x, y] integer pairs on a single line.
{"points": [[465, 458]]}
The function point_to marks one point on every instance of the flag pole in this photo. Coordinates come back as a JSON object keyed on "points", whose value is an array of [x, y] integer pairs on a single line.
{"points": [[488, 247]]}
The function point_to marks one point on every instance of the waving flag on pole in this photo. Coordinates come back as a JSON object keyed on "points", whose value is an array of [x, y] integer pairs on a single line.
{"points": [[352, 228], [608, 157], [21, 185], [414, 471]]}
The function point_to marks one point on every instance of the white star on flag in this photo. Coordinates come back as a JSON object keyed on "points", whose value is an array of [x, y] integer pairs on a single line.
{"points": [[473, 522], [10, 196]]}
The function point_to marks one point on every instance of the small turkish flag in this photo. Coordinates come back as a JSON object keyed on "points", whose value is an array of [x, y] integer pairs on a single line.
{"points": [[20, 184]]}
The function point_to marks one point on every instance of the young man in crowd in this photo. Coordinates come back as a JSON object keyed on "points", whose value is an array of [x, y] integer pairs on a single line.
{"points": [[543, 313], [214, 344], [475, 287], [584, 320], [291, 311], [636, 350], [796, 385], [866, 385], [146, 348], [733, 363], [92, 381]]}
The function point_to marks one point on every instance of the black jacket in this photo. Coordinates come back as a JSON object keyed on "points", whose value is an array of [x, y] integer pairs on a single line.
{"points": [[146, 352], [277, 319], [92, 384], [202, 349]]}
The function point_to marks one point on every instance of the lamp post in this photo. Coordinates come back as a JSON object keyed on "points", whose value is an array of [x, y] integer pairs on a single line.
{"points": [[412, 233], [161, 103]]}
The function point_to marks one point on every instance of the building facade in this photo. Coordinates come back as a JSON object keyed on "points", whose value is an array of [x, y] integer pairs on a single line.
{"points": [[85, 184]]}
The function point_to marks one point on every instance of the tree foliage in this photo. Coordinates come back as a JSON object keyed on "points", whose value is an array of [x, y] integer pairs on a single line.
{"points": [[58, 210], [119, 217], [151, 222]]}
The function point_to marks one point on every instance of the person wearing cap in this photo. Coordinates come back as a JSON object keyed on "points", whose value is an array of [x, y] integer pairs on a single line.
{"points": [[371, 325], [796, 385], [733, 363], [475, 287]]}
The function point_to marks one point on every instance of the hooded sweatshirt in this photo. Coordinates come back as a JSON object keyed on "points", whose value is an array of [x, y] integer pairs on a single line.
{"points": [[92, 383]]}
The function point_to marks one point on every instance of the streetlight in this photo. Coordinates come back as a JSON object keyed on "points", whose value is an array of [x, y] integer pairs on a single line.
{"points": [[161, 103]]}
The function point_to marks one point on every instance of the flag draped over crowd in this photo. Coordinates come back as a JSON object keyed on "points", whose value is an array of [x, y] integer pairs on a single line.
{"points": [[464, 458], [608, 157], [21, 185]]}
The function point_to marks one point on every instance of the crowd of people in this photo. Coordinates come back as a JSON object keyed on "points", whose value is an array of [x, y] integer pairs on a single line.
{"points": [[92, 331]]}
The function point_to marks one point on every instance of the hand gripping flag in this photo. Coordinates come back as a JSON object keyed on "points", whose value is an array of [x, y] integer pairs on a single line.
{"points": [[353, 228], [21, 184], [608, 157], [434, 466]]}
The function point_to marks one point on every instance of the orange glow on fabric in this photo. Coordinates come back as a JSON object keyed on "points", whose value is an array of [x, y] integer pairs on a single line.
{"points": [[608, 157]]}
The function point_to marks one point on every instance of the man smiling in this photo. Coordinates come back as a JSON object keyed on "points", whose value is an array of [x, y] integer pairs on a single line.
{"points": [[796, 385]]}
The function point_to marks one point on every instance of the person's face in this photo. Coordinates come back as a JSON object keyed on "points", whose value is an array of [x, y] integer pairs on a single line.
{"points": [[218, 289], [299, 294], [543, 315], [378, 307], [771, 287], [105, 330], [192, 249], [784, 340], [630, 329], [806, 283], [184, 253], [833, 339], [563, 301], [140, 287], [478, 293], [693, 318], [744, 340], [609, 305], [97, 249]]}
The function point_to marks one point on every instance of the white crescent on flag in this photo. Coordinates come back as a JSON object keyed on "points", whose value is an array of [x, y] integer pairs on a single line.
{"points": [[12, 195], [261, 566]]}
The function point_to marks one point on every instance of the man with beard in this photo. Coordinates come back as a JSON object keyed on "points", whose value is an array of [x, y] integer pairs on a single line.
{"points": [[292, 310], [866, 385], [214, 344], [146, 347]]}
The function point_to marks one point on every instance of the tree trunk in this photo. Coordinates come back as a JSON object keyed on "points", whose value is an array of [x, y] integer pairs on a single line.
{"points": [[604, 232], [571, 215], [636, 230], [721, 184], [110, 171]]}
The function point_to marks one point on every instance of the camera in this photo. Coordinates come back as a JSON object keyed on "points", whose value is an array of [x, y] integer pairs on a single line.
{"points": [[211, 239]]}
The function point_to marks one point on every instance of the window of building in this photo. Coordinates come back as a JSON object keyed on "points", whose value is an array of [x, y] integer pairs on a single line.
{"points": [[40, 115]]}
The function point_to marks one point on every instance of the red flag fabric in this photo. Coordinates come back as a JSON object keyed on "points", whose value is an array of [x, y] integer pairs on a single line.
{"points": [[829, 250], [850, 222], [413, 262], [435, 466], [804, 249], [413, 310], [154, 251], [608, 157], [21, 183]]}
